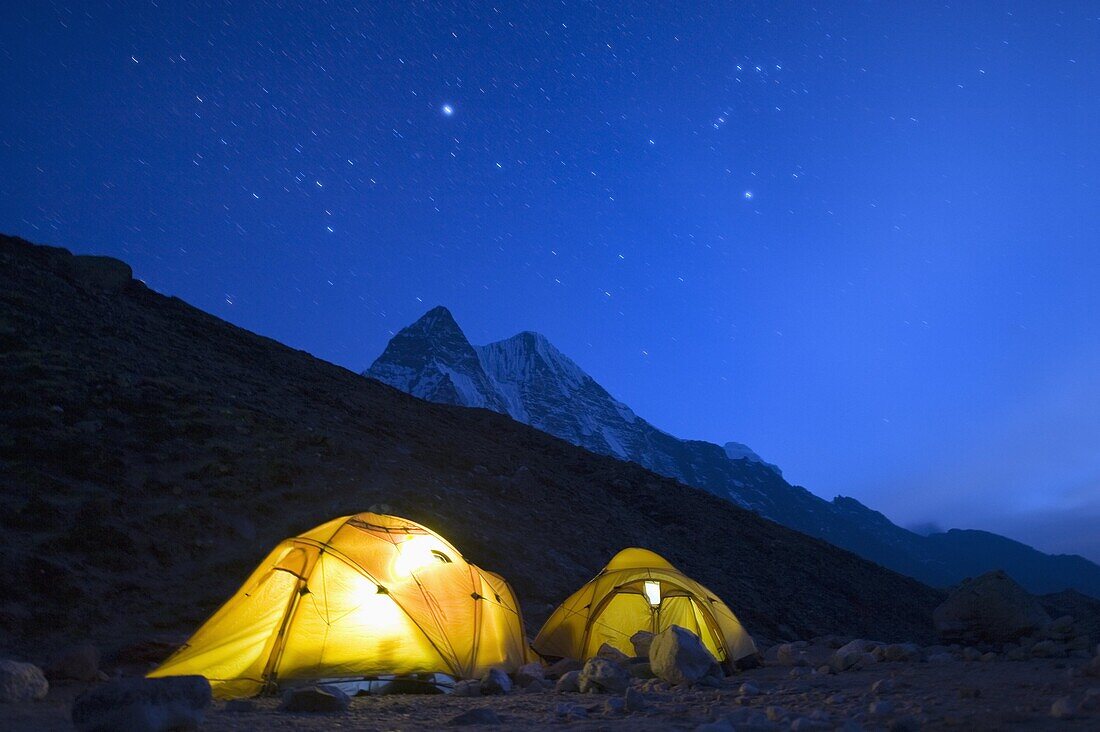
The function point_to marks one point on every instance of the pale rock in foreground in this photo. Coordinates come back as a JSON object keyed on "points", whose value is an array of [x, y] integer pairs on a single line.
{"points": [[600, 675], [21, 682], [679, 657]]}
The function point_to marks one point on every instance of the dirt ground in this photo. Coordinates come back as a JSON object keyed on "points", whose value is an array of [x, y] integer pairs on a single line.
{"points": [[958, 695]]}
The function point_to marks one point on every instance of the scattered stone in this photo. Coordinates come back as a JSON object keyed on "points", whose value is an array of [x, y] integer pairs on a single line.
{"points": [[1048, 649], [21, 682], [991, 608], [600, 675], [527, 673], [633, 700], [901, 652], [495, 681], [314, 699], [240, 706], [570, 710], [882, 686], [561, 667], [613, 654], [1063, 708], [679, 657], [614, 705], [747, 689], [641, 641], [466, 688], [836, 699], [881, 708], [987, 657], [143, 705], [480, 715], [798, 672], [569, 682], [776, 713], [79, 663], [971, 654]]}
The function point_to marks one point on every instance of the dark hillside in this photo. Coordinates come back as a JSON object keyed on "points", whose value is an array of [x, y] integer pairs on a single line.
{"points": [[150, 454]]}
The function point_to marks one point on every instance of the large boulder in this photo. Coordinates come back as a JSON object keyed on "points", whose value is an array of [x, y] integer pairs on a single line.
{"points": [[600, 675], [143, 705], [21, 682], [677, 656], [990, 608], [641, 641]]}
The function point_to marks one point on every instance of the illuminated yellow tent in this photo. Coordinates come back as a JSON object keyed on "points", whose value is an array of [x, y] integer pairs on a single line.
{"points": [[640, 590], [356, 598]]}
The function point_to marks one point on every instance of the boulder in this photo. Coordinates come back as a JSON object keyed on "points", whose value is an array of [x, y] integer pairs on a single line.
{"points": [[561, 667], [475, 716], [79, 663], [600, 675], [991, 608], [467, 687], [143, 705], [495, 681], [315, 699], [641, 641], [633, 700], [613, 654], [679, 657], [527, 673], [21, 682], [569, 682]]}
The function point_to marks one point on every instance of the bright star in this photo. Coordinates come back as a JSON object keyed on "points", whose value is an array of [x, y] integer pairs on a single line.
{"points": [[447, 110], [748, 195]]}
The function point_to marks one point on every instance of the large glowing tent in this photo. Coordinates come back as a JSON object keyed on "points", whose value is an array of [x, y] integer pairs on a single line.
{"points": [[359, 597], [640, 590]]}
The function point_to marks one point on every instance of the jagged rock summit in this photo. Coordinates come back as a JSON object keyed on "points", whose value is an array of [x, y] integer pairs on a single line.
{"points": [[533, 382]]}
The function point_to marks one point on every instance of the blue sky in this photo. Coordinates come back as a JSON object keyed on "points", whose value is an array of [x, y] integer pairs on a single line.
{"points": [[863, 239]]}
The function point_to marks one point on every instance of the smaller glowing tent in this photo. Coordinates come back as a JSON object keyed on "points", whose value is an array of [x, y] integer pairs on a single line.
{"points": [[356, 598], [640, 590]]}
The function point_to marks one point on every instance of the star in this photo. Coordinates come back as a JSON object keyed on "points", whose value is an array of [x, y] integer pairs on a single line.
{"points": [[447, 110], [748, 195]]}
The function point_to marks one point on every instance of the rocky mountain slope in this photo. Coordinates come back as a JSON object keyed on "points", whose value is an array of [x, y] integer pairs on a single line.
{"points": [[151, 454], [530, 380]]}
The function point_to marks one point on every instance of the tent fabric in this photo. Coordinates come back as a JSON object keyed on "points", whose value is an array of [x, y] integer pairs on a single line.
{"points": [[357, 597], [614, 605]]}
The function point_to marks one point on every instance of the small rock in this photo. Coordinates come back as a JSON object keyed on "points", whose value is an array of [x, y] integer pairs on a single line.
{"points": [[614, 705], [314, 699], [776, 714], [79, 663], [747, 689], [806, 723], [941, 658], [642, 670], [527, 673], [561, 667], [1063, 708], [641, 641], [987, 657], [569, 682], [798, 672], [613, 654], [880, 708], [971, 654], [600, 675], [143, 705], [836, 699], [901, 652], [21, 682], [495, 681], [570, 710], [240, 706], [679, 657], [481, 715], [882, 686], [1091, 702], [633, 700], [466, 688]]}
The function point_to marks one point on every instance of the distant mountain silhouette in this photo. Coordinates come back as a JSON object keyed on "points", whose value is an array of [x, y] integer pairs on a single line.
{"points": [[533, 382]]}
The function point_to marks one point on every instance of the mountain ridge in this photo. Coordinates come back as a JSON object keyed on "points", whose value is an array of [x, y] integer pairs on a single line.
{"points": [[527, 378]]}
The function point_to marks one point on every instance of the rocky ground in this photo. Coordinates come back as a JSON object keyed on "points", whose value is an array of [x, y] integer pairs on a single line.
{"points": [[976, 695]]}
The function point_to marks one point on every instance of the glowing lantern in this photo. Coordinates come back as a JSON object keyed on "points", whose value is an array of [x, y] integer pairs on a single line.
{"points": [[653, 592]]}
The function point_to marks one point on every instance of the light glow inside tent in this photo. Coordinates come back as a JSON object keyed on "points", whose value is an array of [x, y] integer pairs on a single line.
{"points": [[653, 592], [416, 553]]}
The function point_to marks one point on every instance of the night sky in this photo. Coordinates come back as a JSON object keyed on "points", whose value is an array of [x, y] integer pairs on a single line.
{"points": [[863, 239]]}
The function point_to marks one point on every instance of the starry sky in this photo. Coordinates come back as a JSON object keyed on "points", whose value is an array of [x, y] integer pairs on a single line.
{"points": [[861, 237]]}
